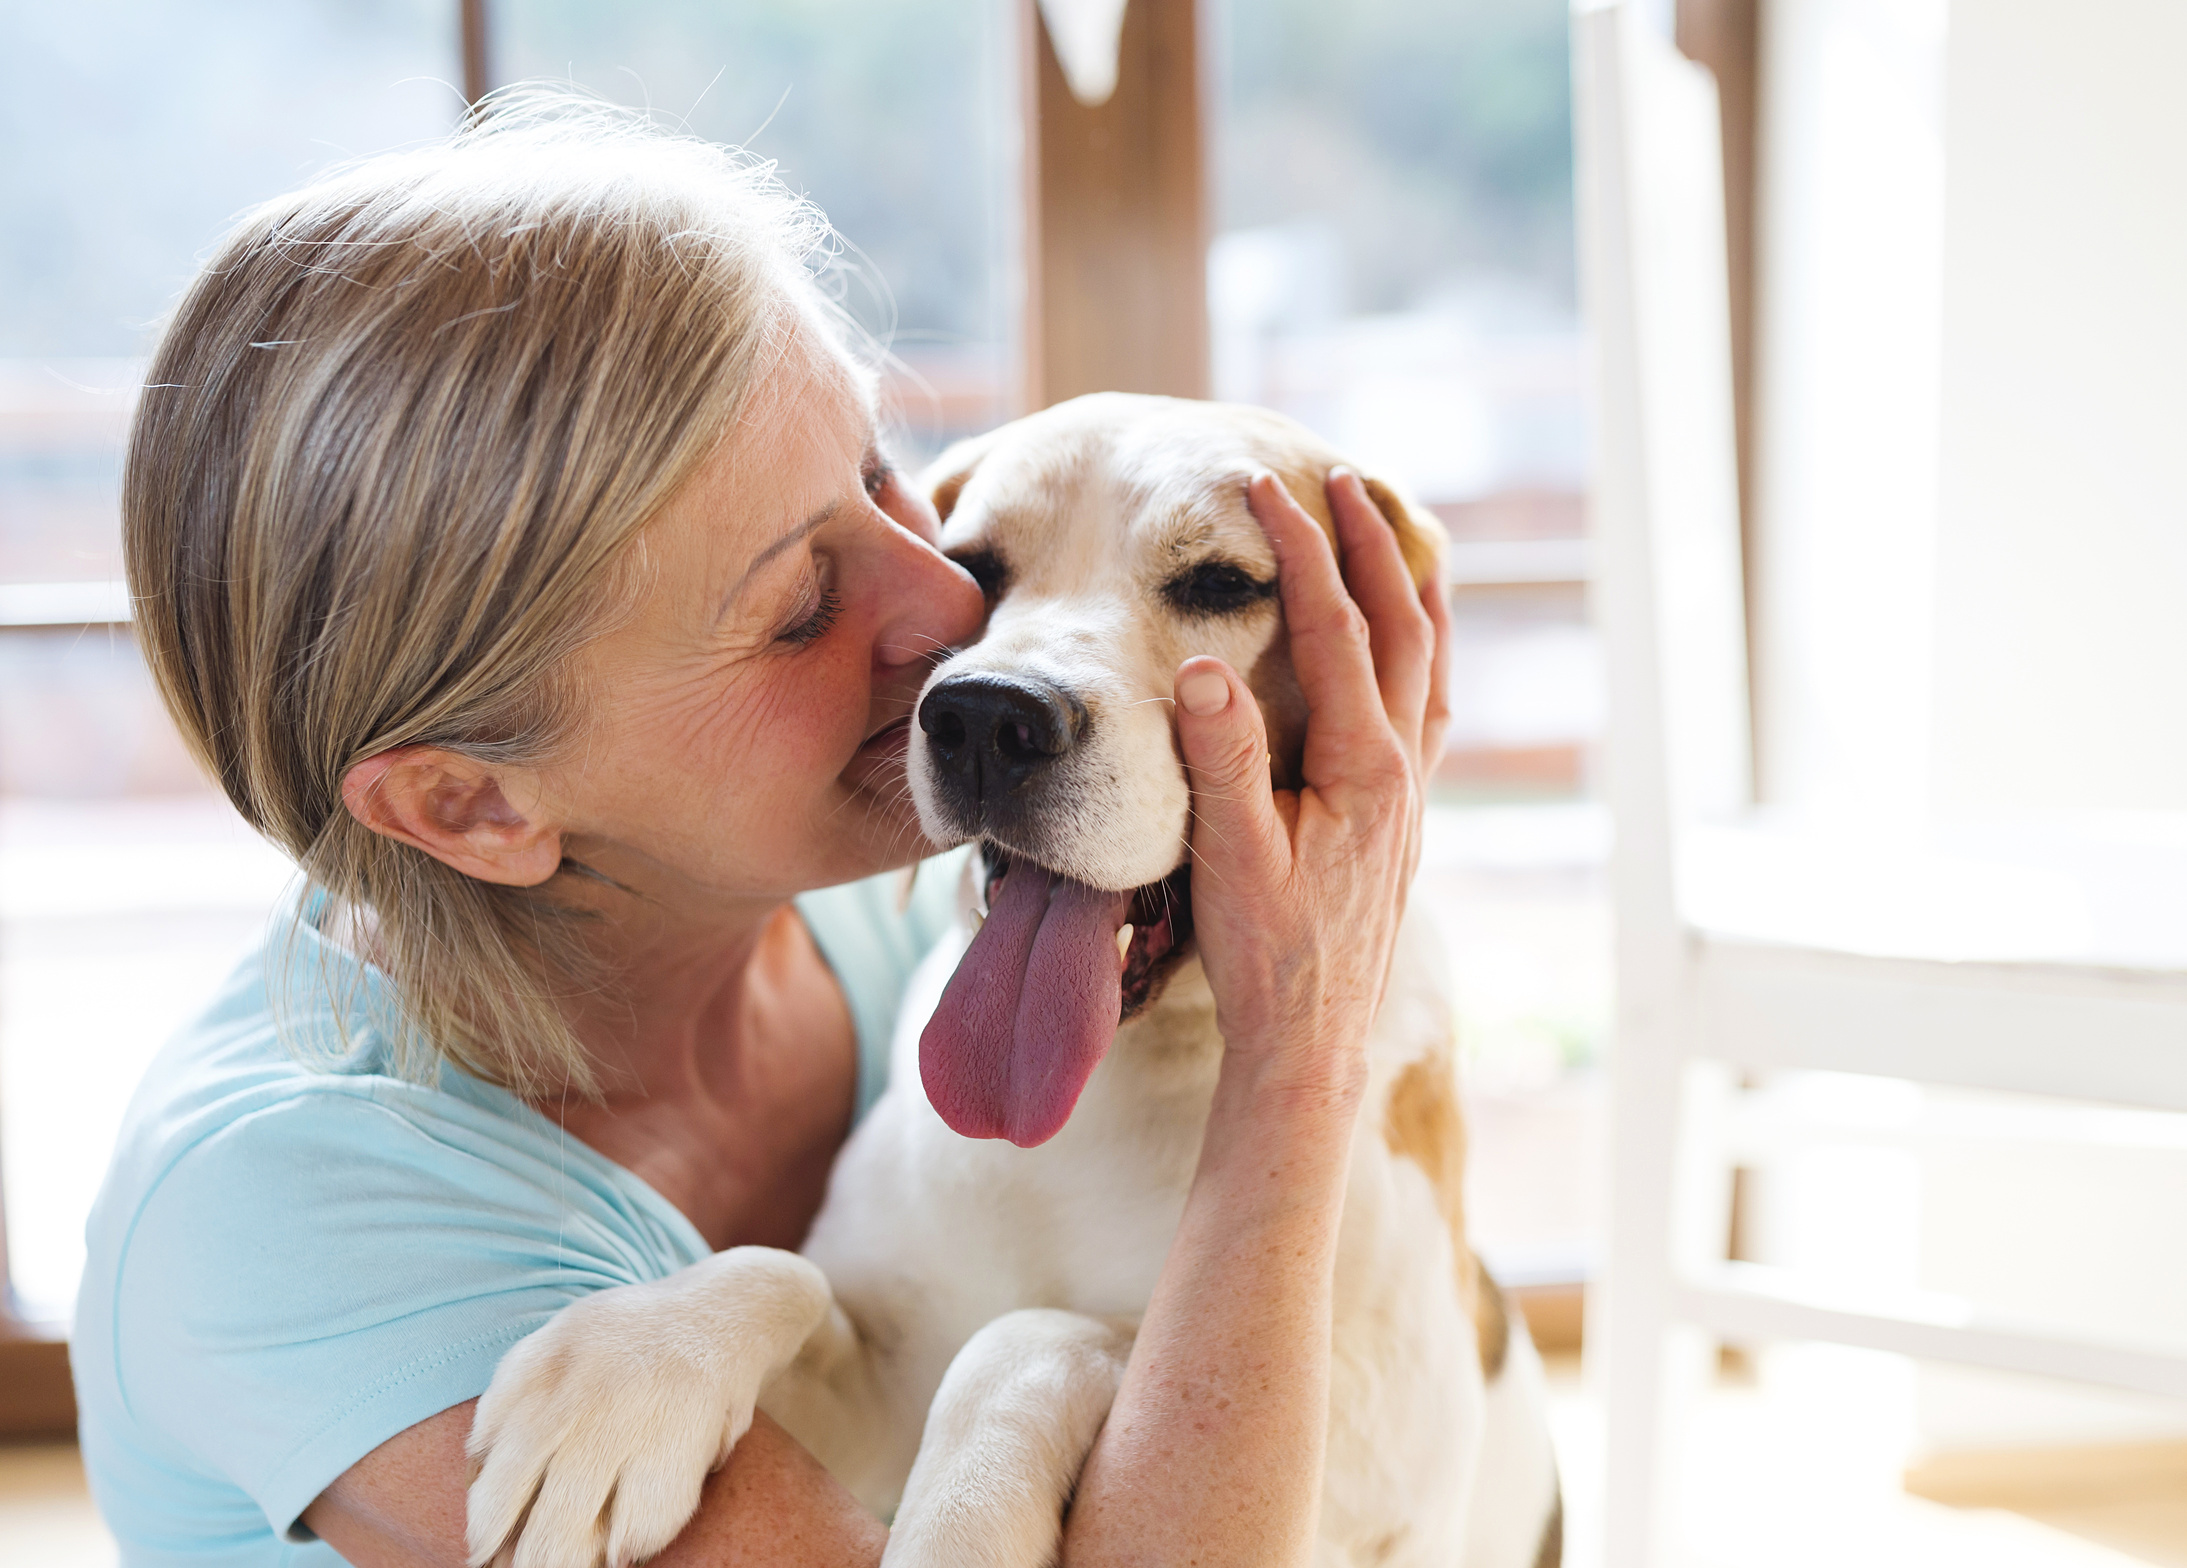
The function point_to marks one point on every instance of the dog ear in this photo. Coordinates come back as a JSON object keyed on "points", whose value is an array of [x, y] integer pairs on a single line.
{"points": [[1420, 536], [945, 477]]}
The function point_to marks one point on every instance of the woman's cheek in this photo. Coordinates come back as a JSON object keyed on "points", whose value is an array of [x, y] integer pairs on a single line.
{"points": [[811, 716]]}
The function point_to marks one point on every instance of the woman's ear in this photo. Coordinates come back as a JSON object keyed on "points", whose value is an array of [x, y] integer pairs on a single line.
{"points": [[460, 811]]}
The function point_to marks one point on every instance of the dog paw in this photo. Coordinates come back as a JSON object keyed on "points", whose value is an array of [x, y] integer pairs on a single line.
{"points": [[598, 1431], [1005, 1439]]}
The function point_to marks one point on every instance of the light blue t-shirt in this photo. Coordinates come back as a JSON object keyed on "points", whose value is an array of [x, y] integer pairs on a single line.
{"points": [[288, 1264]]}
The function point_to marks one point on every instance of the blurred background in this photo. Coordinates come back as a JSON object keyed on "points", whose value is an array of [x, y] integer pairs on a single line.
{"points": [[1955, 350]]}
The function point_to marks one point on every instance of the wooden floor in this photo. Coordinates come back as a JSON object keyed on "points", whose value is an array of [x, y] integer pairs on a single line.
{"points": [[1800, 1467], [46, 1517], [2149, 1529], [1790, 1472]]}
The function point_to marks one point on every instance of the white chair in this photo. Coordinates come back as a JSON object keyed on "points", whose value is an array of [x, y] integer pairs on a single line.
{"points": [[2046, 966]]}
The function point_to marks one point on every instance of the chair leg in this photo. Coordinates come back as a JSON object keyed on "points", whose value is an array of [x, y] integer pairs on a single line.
{"points": [[1638, 1358]]}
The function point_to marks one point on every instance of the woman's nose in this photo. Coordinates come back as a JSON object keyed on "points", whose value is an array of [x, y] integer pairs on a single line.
{"points": [[929, 602]]}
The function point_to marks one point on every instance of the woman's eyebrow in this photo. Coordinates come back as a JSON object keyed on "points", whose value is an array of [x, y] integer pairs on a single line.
{"points": [[801, 531]]}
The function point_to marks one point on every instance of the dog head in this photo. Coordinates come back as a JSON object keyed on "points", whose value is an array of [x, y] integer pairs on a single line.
{"points": [[1112, 538]]}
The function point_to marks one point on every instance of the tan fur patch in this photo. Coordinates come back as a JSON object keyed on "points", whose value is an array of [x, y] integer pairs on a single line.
{"points": [[1420, 536], [1425, 1125], [1275, 686]]}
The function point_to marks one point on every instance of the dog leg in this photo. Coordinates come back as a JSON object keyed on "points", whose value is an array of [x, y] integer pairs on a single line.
{"points": [[1006, 1437], [593, 1440]]}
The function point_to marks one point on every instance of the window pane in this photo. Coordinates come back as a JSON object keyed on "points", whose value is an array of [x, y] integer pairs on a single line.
{"points": [[1394, 267], [148, 128], [134, 133], [897, 120], [1395, 260]]}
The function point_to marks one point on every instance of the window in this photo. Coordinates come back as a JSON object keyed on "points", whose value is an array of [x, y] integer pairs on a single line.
{"points": [[126, 886], [897, 120], [1393, 266], [1390, 190]]}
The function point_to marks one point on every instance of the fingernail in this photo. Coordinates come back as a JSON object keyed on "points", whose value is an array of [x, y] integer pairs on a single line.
{"points": [[1204, 693]]}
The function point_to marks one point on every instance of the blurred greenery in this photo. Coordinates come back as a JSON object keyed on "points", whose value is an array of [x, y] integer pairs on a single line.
{"points": [[1434, 134], [894, 115], [132, 132]]}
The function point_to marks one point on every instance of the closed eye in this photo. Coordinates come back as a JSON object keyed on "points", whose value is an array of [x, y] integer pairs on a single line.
{"points": [[1216, 588], [816, 623]]}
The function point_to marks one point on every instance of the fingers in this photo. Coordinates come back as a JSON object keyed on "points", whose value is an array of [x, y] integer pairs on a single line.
{"points": [[1330, 652], [1400, 635], [1236, 833], [1435, 717]]}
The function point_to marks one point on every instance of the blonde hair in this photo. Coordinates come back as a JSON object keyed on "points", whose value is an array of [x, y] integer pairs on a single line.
{"points": [[392, 446]]}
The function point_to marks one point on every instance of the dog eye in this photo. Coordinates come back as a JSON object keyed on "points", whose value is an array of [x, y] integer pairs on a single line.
{"points": [[1216, 588], [987, 570]]}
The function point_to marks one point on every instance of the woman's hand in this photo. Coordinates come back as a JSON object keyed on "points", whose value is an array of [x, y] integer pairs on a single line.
{"points": [[1213, 1451], [1296, 896]]}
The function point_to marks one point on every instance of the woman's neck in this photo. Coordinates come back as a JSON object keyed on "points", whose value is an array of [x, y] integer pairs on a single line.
{"points": [[728, 1059]]}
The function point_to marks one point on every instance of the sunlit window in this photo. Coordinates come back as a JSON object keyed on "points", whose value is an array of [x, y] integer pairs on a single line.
{"points": [[1392, 263], [127, 885], [897, 120], [1394, 266]]}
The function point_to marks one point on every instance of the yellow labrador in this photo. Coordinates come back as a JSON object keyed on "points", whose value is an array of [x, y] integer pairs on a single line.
{"points": [[952, 1337]]}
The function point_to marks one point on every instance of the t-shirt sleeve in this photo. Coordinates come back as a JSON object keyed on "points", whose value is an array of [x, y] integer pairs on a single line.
{"points": [[318, 1275]]}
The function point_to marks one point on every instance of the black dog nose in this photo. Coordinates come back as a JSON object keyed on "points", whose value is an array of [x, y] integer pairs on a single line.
{"points": [[991, 734]]}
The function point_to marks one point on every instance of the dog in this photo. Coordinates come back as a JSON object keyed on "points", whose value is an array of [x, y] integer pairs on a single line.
{"points": [[952, 1336]]}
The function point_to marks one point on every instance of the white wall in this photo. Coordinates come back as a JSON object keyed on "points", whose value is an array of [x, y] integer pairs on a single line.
{"points": [[1850, 252], [2061, 630], [2061, 612], [1971, 559], [2088, 1230]]}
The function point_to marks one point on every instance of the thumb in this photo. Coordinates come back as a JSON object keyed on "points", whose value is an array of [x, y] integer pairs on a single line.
{"points": [[1235, 829]]}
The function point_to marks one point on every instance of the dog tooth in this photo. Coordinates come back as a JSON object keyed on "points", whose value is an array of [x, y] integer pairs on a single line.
{"points": [[1123, 940]]}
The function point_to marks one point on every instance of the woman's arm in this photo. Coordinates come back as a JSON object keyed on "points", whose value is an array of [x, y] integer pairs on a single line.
{"points": [[1213, 1450], [770, 1506]]}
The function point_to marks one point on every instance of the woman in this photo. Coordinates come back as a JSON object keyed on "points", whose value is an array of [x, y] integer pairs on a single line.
{"points": [[511, 538]]}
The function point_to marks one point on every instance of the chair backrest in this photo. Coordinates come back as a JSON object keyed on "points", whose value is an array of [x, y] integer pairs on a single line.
{"points": [[1668, 587]]}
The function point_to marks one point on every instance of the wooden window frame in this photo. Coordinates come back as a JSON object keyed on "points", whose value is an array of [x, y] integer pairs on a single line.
{"points": [[1726, 37], [1116, 213], [37, 1395]]}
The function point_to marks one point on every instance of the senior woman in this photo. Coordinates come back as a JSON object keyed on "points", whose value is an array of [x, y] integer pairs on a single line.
{"points": [[511, 537]]}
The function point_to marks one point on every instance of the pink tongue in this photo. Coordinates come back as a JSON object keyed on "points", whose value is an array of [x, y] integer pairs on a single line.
{"points": [[1030, 1010]]}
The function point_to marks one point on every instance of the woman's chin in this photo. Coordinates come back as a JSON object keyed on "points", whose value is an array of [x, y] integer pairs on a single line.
{"points": [[879, 806]]}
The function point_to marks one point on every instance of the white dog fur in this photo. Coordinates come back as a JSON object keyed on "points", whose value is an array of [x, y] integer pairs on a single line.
{"points": [[951, 1340]]}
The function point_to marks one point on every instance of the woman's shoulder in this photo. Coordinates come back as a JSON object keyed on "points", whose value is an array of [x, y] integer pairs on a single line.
{"points": [[279, 1097], [293, 1038], [290, 1229]]}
